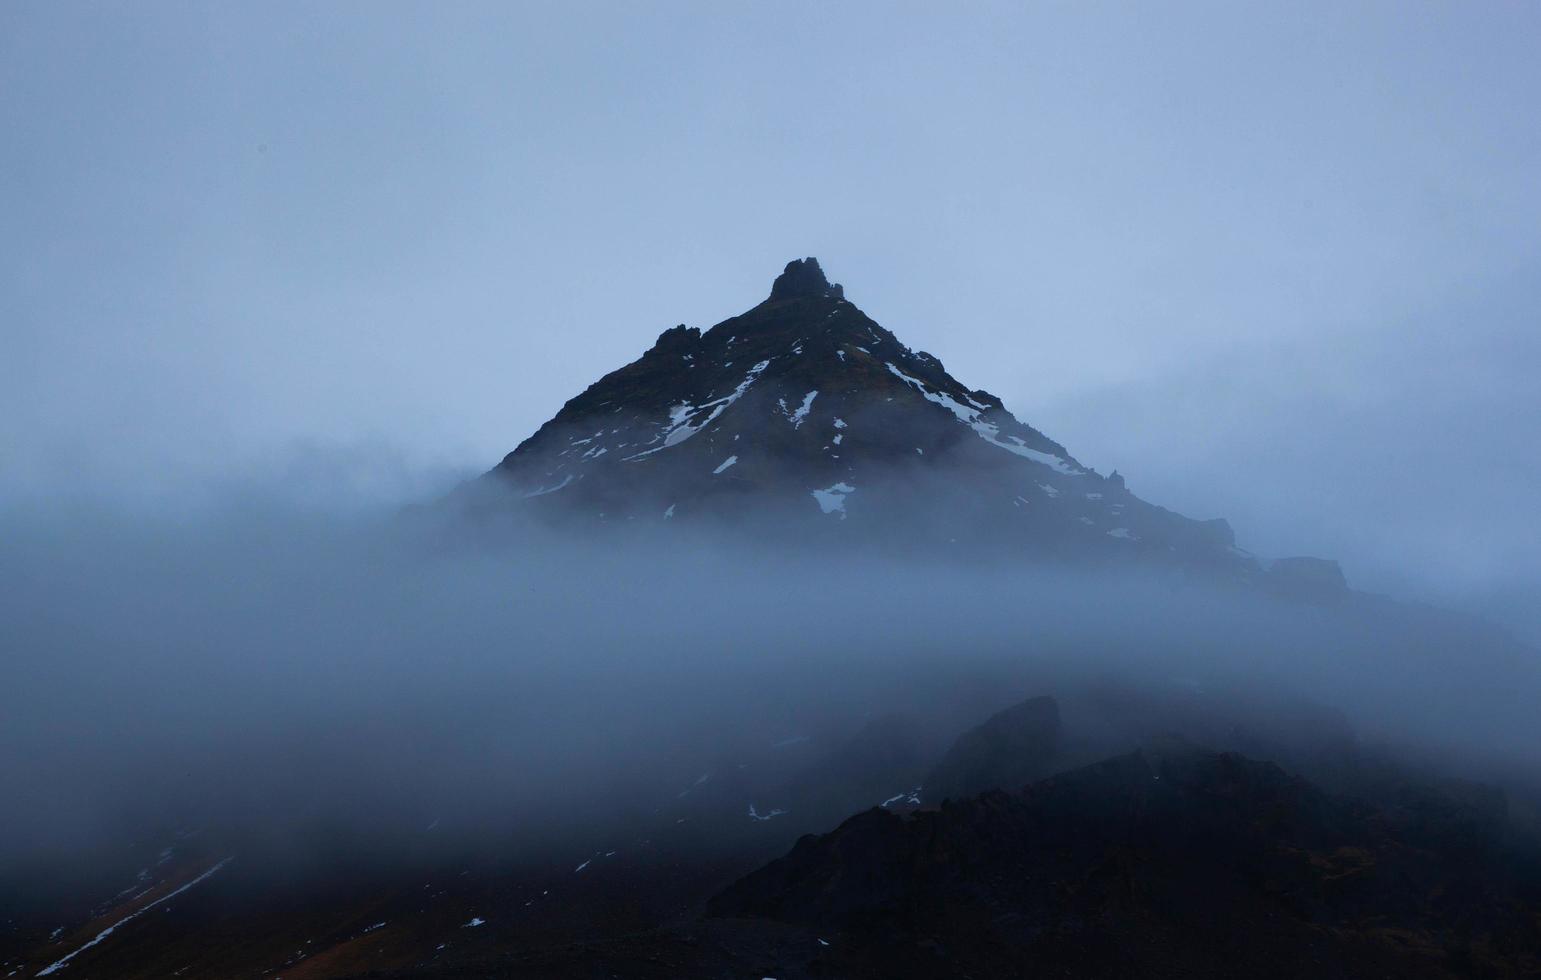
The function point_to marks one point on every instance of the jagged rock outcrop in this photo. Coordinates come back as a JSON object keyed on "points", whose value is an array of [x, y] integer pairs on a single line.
{"points": [[802, 278]]}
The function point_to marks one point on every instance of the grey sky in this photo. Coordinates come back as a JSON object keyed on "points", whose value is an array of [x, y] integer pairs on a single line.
{"points": [[1276, 262]]}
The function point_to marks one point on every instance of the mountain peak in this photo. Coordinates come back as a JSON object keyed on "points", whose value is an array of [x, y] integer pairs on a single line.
{"points": [[803, 278], [804, 412]]}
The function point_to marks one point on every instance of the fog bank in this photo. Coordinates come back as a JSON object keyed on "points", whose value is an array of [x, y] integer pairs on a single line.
{"points": [[283, 669]]}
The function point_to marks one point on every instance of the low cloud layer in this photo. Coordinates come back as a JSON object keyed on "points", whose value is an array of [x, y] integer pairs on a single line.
{"points": [[1405, 451], [278, 670]]}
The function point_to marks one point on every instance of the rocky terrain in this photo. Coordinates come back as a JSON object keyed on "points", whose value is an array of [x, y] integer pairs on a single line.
{"points": [[1162, 857]]}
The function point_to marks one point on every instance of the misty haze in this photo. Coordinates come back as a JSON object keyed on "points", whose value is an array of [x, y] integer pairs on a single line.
{"points": [[769, 492]]}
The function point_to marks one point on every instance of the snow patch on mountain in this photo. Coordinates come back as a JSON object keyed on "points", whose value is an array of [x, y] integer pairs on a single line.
{"points": [[798, 416], [685, 420], [988, 431], [832, 499], [59, 964]]}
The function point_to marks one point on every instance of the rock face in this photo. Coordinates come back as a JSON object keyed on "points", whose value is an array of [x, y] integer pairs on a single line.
{"points": [[803, 278], [1171, 861], [806, 414], [1008, 751]]}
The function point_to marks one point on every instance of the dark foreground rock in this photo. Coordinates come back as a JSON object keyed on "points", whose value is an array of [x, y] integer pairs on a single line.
{"points": [[1170, 861]]}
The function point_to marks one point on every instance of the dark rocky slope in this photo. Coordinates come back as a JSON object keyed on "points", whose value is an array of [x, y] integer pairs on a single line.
{"points": [[1170, 860]]}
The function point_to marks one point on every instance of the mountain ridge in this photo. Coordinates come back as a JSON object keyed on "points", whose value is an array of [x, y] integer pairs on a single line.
{"points": [[806, 412]]}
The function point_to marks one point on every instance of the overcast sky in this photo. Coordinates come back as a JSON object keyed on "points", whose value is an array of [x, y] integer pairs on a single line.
{"points": [[1279, 263]]}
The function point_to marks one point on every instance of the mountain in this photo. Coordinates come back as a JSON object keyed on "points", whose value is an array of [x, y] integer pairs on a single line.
{"points": [[805, 411]]}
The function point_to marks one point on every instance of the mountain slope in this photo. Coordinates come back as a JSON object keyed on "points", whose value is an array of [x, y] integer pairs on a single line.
{"points": [[804, 409]]}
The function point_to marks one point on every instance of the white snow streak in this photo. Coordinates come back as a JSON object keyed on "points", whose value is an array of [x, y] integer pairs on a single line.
{"points": [[683, 418], [803, 409], [545, 490], [988, 431], [59, 964]]}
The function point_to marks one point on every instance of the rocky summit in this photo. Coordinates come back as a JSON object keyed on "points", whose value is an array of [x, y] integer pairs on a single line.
{"points": [[805, 411]]}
